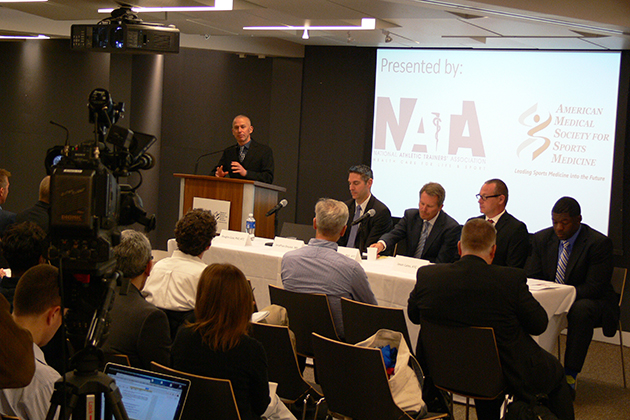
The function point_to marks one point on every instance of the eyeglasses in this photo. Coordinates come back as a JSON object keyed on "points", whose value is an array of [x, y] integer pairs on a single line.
{"points": [[485, 197]]}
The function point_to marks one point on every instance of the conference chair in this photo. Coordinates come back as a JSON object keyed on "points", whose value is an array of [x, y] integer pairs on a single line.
{"points": [[283, 367], [308, 313], [207, 397], [463, 361], [618, 282], [354, 382], [362, 320], [119, 359]]}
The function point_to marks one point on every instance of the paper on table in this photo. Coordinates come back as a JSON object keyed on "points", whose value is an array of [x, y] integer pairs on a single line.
{"points": [[542, 284]]}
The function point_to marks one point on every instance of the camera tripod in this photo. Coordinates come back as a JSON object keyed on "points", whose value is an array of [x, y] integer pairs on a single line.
{"points": [[79, 393]]}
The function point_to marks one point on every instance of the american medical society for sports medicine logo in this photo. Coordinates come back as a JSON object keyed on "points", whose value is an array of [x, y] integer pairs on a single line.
{"points": [[535, 144]]}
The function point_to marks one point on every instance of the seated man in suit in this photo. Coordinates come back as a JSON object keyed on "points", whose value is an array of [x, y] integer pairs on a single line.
{"points": [[138, 328], [362, 235], [248, 159], [6, 217], [319, 268], [429, 233], [172, 285], [38, 310], [40, 211], [512, 235], [472, 292], [573, 253]]}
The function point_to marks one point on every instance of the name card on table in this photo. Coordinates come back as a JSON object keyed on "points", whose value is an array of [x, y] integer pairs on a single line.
{"points": [[286, 244], [408, 265], [232, 237], [353, 253]]}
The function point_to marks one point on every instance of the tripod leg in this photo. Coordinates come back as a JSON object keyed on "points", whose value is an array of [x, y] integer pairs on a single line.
{"points": [[113, 401]]}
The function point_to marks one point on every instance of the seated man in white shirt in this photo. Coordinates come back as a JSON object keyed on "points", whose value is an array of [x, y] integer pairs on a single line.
{"points": [[37, 308], [172, 285]]}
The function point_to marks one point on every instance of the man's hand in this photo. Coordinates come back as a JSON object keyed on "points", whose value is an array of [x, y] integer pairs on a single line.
{"points": [[220, 172], [238, 168], [379, 247]]}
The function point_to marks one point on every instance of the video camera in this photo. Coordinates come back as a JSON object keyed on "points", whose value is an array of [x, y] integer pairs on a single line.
{"points": [[87, 207]]}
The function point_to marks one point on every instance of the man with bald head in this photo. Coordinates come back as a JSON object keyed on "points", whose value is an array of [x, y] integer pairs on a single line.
{"points": [[512, 235], [40, 212], [247, 159]]}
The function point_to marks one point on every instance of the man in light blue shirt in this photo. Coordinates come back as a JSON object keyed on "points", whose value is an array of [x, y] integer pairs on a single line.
{"points": [[319, 268]]}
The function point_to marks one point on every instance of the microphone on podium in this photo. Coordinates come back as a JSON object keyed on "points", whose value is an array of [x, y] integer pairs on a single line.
{"points": [[203, 156], [281, 204], [367, 215]]}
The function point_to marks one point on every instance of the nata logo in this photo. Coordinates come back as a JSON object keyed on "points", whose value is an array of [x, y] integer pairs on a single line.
{"points": [[534, 145]]}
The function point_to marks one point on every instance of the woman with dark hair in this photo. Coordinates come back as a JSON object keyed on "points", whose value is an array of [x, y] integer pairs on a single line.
{"points": [[217, 344]]}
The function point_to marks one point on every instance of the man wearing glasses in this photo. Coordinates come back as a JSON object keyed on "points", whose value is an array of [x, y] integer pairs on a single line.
{"points": [[512, 235]]}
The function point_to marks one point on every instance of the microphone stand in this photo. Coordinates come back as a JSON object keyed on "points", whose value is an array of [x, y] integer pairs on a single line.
{"points": [[204, 155]]}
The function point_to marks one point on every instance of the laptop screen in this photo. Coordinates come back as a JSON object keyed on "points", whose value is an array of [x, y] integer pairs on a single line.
{"points": [[149, 395]]}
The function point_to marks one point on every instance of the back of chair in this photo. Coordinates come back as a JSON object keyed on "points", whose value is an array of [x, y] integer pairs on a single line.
{"points": [[207, 397], [120, 359], [294, 230], [619, 281], [282, 364], [354, 380], [308, 313], [463, 360], [362, 320]]}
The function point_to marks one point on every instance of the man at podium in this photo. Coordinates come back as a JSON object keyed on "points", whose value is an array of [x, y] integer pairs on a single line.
{"points": [[248, 159]]}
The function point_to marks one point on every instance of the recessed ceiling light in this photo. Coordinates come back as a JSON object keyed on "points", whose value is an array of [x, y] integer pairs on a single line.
{"points": [[24, 37], [219, 5], [367, 24]]}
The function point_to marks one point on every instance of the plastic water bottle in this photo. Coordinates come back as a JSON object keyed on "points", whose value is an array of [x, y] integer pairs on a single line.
{"points": [[250, 226]]}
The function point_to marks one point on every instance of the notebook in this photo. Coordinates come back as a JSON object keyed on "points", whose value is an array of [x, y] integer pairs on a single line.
{"points": [[149, 395]]}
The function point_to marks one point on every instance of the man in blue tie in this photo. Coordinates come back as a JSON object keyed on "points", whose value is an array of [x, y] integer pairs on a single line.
{"points": [[426, 232], [571, 252], [364, 234]]}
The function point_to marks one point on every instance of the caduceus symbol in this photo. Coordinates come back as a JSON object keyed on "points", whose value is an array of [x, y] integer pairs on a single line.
{"points": [[436, 123]]}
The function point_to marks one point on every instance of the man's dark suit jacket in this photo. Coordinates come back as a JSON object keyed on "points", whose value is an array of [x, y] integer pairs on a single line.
{"points": [[258, 162], [370, 230], [38, 214], [138, 329], [441, 245], [512, 242], [6, 218], [471, 292], [589, 268]]}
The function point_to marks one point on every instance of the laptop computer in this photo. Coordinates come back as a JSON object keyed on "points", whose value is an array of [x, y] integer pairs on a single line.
{"points": [[149, 395]]}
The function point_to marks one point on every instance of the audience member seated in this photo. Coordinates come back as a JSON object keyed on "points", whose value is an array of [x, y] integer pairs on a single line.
{"points": [[23, 246], [37, 309], [17, 363], [573, 253], [217, 345], [428, 232], [512, 235], [40, 211], [6, 217], [472, 292], [360, 178], [172, 285], [319, 268], [138, 329]]}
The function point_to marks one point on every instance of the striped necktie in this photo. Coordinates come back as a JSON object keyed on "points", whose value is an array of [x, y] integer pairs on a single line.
{"points": [[354, 229], [423, 239], [562, 262]]}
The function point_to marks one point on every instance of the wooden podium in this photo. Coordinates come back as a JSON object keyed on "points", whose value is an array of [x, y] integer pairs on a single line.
{"points": [[246, 197]]}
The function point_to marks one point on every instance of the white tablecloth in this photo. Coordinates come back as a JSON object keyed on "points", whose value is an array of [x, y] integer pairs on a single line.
{"points": [[261, 264]]}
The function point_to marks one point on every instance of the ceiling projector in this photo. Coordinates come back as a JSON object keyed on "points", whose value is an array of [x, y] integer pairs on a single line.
{"points": [[125, 33]]}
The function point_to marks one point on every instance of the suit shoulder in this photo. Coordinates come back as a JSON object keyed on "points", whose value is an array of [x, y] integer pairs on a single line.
{"points": [[379, 205], [449, 221], [595, 236]]}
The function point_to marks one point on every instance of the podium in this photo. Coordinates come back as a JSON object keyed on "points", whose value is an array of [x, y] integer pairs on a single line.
{"points": [[244, 195]]}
